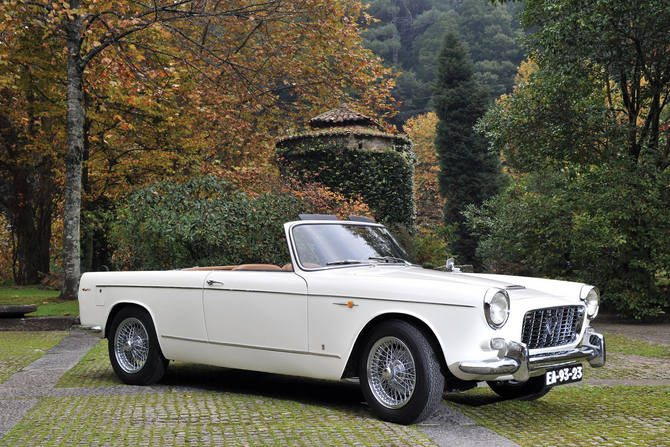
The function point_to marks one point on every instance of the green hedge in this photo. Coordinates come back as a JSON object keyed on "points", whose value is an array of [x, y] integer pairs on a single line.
{"points": [[203, 222], [384, 178]]}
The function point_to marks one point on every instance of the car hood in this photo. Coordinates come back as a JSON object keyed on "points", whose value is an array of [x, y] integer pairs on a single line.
{"points": [[382, 281]]}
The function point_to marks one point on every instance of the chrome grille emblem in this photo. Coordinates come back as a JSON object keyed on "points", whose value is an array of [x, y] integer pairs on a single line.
{"points": [[551, 324]]}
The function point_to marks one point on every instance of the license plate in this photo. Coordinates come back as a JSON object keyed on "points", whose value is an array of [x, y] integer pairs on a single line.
{"points": [[560, 376]]}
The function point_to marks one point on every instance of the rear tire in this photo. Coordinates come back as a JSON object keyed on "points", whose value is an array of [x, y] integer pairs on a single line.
{"points": [[399, 373], [532, 389], [133, 348]]}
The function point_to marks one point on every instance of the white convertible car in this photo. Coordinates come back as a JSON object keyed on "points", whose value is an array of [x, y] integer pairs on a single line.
{"points": [[350, 304]]}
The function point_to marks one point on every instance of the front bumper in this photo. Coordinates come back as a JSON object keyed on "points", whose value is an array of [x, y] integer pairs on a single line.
{"points": [[521, 365]]}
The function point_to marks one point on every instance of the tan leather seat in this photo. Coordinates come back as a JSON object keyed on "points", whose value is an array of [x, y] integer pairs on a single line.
{"points": [[257, 267], [218, 267]]}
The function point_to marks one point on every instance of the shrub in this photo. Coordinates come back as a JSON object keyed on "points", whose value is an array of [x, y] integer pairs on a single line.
{"points": [[202, 222], [208, 221], [606, 226]]}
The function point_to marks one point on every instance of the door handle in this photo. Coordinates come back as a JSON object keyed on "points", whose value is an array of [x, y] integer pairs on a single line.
{"points": [[211, 282]]}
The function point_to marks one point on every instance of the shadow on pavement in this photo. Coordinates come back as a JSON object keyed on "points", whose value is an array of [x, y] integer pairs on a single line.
{"points": [[328, 393]]}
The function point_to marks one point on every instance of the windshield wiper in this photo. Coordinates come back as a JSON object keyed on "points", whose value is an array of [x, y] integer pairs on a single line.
{"points": [[343, 262], [389, 259]]}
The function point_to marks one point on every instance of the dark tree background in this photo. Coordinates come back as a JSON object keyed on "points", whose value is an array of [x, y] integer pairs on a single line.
{"points": [[409, 34], [469, 173]]}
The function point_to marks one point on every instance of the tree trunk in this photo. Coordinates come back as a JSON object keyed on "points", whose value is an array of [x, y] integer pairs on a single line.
{"points": [[73, 160], [31, 210]]}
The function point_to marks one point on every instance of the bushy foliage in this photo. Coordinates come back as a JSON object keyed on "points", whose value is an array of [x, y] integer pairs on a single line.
{"points": [[381, 178], [208, 221], [605, 226], [431, 239], [586, 132], [202, 222]]}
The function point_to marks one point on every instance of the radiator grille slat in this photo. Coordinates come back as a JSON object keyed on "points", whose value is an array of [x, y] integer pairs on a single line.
{"points": [[555, 326]]}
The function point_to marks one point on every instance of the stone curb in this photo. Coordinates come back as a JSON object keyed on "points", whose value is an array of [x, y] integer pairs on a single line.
{"points": [[38, 323]]}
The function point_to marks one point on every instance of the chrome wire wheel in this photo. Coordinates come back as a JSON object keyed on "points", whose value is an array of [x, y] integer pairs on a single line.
{"points": [[391, 372], [131, 345]]}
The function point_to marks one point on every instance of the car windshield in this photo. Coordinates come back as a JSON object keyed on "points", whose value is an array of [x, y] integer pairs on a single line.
{"points": [[321, 245]]}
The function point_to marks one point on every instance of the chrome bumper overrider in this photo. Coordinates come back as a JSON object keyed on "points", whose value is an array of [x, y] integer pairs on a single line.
{"points": [[520, 364]]}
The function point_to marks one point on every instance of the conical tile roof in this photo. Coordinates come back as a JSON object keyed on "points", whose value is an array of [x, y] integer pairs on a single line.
{"points": [[343, 116]]}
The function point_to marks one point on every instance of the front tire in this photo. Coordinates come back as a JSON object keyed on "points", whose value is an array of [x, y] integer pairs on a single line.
{"points": [[133, 347], [532, 389], [399, 373]]}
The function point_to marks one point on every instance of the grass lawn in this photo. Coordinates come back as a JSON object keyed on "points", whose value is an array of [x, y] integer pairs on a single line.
{"points": [[19, 349], [47, 301]]}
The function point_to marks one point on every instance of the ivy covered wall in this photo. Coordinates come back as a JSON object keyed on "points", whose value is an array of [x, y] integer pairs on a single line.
{"points": [[383, 176]]}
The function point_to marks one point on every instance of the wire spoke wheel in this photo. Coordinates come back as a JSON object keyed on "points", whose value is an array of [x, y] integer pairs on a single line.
{"points": [[134, 351], [131, 345], [399, 373], [391, 372]]}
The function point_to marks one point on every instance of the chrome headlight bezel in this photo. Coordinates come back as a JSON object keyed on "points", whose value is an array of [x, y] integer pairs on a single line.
{"points": [[590, 296], [496, 307]]}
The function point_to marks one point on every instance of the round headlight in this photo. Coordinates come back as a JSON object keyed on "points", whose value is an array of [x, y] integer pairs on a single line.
{"points": [[591, 297], [496, 308]]}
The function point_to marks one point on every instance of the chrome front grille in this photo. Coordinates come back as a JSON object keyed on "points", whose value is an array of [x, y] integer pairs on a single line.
{"points": [[556, 326]]}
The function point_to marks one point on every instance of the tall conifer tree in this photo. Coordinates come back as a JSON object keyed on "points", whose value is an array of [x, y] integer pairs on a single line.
{"points": [[469, 173]]}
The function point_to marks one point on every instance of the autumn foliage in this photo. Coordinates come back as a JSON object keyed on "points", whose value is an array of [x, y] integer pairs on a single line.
{"points": [[169, 91], [429, 203]]}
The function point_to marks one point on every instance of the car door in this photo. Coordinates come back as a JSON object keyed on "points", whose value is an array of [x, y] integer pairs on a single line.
{"points": [[261, 310]]}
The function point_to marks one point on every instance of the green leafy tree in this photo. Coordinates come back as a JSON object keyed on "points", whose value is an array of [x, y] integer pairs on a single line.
{"points": [[469, 173], [491, 33], [591, 113], [409, 33], [396, 37]]}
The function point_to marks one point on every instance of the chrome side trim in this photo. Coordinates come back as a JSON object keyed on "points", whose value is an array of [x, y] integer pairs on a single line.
{"points": [[136, 286], [358, 297], [255, 291], [259, 348], [86, 328], [346, 297], [176, 337]]}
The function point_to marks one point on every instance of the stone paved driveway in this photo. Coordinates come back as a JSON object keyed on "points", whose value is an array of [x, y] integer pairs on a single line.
{"points": [[216, 406], [204, 406]]}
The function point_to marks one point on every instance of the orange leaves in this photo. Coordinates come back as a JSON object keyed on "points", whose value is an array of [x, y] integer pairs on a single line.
{"points": [[429, 204]]}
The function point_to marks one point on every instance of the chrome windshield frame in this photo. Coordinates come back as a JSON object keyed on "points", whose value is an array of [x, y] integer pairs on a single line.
{"points": [[298, 254]]}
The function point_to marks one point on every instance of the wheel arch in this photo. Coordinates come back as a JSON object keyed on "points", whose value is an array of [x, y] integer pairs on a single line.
{"points": [[351, 368], [113, 312]]}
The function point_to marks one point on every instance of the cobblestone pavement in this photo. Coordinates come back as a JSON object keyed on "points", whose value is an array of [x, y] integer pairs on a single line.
{"points": [[259, 408]]}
